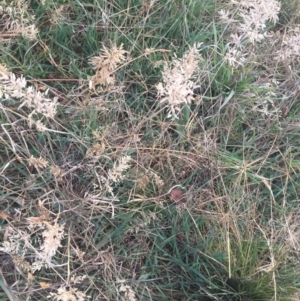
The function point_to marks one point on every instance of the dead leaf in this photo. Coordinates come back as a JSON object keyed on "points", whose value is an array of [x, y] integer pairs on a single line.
{"points": [[3, 215], [176, 195], [30, 277], [44, 285], [43, 211]]}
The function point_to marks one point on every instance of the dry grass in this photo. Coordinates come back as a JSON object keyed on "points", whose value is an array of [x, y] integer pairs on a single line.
{"points": [[149, 151]]}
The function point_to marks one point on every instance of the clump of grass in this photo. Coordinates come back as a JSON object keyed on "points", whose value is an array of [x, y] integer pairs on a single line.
{"points": [[112, 108]]}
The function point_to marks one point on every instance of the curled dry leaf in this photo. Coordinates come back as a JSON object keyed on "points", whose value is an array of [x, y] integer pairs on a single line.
{"points": [[176, 195]]}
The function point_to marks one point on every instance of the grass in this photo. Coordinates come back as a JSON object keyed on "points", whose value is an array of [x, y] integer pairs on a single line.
{"points": [[234, 153]]}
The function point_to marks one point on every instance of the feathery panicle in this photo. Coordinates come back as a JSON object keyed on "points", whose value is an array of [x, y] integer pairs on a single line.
{"points": [[106, 64], [71, 294], [16, 88], [255, 14], [290, 48], [16, 20], [247, 22], [177, 86], [16, 243], [52, 240], [129, 294], [37, 162], [115, 174]]}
